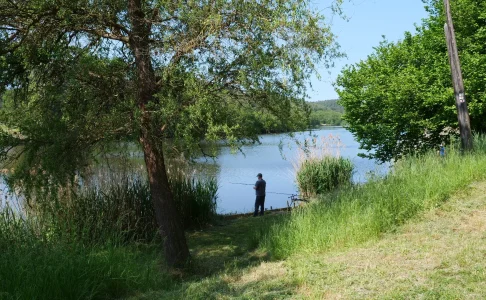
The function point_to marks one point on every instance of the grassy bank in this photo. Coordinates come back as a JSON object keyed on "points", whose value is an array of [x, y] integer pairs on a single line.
{"points": [[99, 243], [364, 241], [37, 264], [363, 212]]}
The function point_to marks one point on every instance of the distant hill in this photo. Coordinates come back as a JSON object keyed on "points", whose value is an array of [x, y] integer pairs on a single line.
{"points": [[326, 105], [327, 112]]}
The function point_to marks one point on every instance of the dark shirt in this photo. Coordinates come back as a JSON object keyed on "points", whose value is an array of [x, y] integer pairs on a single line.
{"points": [[260, 186]]}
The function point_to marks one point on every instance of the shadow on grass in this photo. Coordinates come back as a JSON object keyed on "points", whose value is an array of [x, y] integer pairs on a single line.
{"points": [[231, 244]]}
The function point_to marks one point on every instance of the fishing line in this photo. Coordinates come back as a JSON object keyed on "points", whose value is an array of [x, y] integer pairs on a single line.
{"points": [[281, 193], [266, 192]]}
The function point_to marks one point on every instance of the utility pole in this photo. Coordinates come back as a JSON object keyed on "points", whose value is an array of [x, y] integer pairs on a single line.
{"points": [[461, 105]]}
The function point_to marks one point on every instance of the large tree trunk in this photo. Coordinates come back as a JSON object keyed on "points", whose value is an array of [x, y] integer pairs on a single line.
{"points": [[170, 225]]}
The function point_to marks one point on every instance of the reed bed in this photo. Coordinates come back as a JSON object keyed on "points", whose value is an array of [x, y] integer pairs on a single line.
{"points": [[123, 211], [99, 244], [320, 168], [196, 200], [360, 213], [318, 176]]}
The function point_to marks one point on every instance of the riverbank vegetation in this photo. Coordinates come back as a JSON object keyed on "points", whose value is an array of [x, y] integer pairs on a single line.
{"points": [[86, 74], [35, 262], [121, 210], [320, 168], [361, 213], [320, 175], [138, 71], [98, 243]]}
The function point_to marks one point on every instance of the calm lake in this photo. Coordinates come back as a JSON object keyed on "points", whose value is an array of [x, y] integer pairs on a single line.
{"points": [[236, 173], [275, 158]]}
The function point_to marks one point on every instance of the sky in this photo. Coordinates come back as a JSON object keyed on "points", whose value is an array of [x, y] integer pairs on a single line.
{"points": [[368, 21]]}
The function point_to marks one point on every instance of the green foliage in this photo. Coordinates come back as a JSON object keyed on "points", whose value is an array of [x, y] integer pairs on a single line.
{"points": [[55, 135], [100, 244], [363, 212], [84, 74], [123, 211], [400, 99], [326, 105], [73, 81], [87, 73], [320, 175], [33, 265], [325, 117], [327, 112], [196, 200]]}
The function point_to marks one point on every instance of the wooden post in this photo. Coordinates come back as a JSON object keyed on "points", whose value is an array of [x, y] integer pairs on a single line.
{"points": [[461, 104]]}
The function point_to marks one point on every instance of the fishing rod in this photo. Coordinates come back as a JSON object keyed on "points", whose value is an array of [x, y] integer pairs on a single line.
{"points": [[266, 192], [281, 193]]}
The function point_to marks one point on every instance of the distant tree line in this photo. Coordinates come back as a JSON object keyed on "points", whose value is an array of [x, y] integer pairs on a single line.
{"points": [[327, 112]]}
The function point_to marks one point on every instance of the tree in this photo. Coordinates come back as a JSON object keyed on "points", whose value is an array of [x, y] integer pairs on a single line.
{"points": [[400, 101], [83, 72]]}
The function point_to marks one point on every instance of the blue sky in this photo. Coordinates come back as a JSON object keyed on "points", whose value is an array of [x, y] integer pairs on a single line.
{"points": [[368, 21]]}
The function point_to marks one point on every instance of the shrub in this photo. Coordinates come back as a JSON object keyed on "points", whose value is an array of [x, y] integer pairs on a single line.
{"points": [[320, 168], [320, 175]]}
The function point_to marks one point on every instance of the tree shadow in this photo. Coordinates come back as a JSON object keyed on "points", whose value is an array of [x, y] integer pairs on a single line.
{"points": [[233, 244]]}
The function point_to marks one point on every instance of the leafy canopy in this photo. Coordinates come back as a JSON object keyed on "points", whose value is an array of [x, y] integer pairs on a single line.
{"points": [[400, 99], [70, 83]]}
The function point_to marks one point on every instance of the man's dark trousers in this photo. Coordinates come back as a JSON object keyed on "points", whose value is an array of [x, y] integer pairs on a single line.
{"points": [[259, 202]]}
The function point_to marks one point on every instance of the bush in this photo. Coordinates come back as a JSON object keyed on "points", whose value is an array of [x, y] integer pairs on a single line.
{"points": [[320, 175]]}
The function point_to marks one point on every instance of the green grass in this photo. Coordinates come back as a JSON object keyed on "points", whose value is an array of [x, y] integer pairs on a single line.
{"points": [[124, 210], [321, 175], [35, 264], [439, 255], [320, 168], [363, 212], [418, 233], [40, 271], [196, 200], [98, 244]]}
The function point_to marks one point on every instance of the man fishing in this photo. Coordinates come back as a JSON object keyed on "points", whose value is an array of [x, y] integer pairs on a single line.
{"points": [[259, 188]]}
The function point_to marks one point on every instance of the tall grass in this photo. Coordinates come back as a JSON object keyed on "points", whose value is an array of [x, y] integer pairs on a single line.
{"points": [[123, 211], [363, 212], [321, 175], [34, 265], [320, 168], [95, 244], [196, 200]]}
